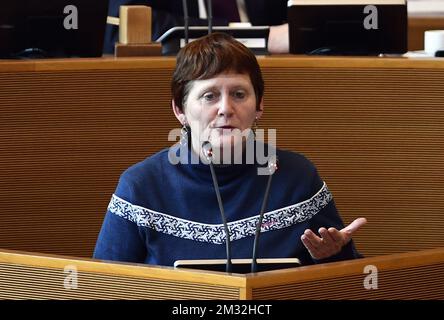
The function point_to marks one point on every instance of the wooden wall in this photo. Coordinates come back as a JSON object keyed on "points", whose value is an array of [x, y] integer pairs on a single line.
{"points": [[418, 24], [374, 127]]}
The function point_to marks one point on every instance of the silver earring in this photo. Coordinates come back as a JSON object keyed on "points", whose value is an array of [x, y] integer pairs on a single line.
{"points": [[184, 135]]}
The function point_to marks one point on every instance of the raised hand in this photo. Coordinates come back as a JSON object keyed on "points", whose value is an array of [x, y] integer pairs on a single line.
{"points": [[330, 241]]}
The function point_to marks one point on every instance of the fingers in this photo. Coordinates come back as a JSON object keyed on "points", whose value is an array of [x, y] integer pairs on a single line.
{"points": [[332, 245], [326, 238], [313, 238], [354, 226], [323, 247], [310, 247], [336, 235], [312, 243]]}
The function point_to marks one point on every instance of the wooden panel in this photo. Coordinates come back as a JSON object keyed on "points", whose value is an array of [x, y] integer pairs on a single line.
{"points": [[417, 283], [25, 282], [26, 276], [413, 275], [416, 275], [372, 126], [376, 136], [65, 139]]}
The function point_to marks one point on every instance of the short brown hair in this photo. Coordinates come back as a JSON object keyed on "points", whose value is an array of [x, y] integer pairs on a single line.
{"points": [[209, 56]]}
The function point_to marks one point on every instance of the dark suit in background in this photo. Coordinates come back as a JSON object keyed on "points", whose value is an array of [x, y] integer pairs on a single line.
{"points": [[169, 13]]}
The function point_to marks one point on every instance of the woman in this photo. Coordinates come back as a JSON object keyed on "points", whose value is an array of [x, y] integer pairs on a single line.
{"points": [[165, 210]]}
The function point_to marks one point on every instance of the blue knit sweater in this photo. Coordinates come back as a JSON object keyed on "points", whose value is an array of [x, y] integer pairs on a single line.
{"points": [[162, 212]]}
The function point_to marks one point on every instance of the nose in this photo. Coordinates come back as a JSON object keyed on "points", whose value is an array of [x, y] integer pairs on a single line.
{"points": [[226, 107]]}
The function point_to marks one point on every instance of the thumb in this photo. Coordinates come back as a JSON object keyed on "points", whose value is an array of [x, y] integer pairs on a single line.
{"points": [[353, 227]]}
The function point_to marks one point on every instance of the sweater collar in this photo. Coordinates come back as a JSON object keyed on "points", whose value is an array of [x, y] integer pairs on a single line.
{"points": [[192, 164]]}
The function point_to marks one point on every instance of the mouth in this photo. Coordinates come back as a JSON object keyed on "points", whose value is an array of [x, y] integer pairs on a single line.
{"points": [[225, 127]]}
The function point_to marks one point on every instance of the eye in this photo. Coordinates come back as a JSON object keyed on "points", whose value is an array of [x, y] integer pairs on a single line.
{"points": [[239, 94], [209, 96]]}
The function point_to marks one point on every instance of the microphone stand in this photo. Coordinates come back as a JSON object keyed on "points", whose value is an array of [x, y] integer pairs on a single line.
{"points": [[210, 16], [208, 152], [272, 167], [186, 20]]}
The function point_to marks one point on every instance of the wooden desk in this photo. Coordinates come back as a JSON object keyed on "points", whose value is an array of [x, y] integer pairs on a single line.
{"points": [[373, 126], [413, 275]]}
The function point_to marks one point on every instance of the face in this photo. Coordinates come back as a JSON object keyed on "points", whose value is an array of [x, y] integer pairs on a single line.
{"points": [[221, 110]]}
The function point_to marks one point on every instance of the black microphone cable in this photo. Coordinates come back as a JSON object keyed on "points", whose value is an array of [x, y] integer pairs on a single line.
{"points": [[272, 167], [186, 19], [207, 150]]}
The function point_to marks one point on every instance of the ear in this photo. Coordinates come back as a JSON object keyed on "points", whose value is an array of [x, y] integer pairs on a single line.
{"points": [[178, 113], [261, 109]]}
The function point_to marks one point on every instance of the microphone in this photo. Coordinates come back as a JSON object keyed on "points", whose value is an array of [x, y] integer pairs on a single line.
{"points": [[272, 167], [207, 151], [185, 19], [210, 16]]}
